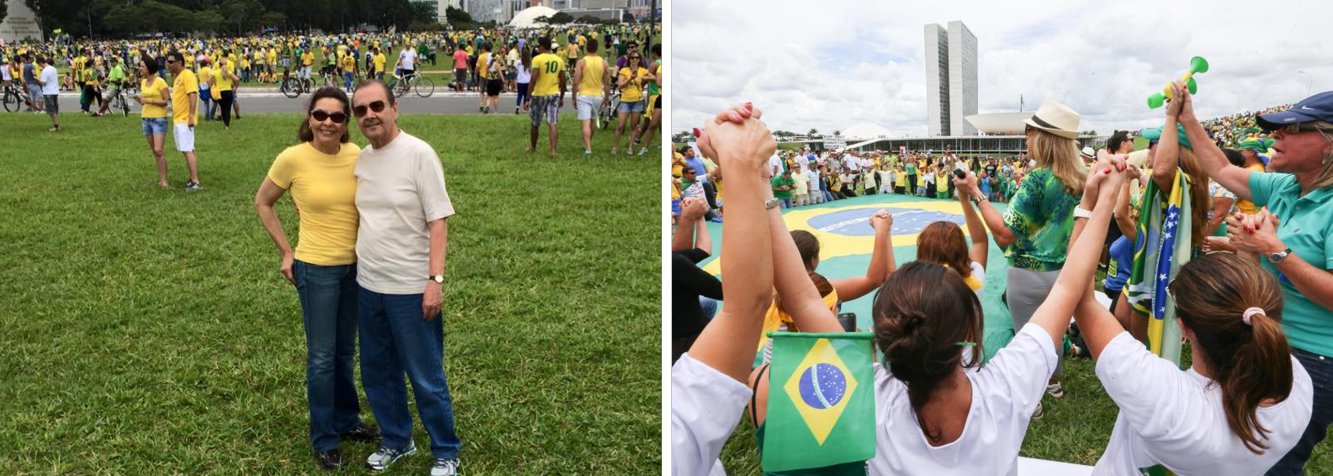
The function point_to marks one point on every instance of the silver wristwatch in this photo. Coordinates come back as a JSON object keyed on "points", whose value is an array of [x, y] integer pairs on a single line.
{"points": [[1275, 258], [772, 203]]}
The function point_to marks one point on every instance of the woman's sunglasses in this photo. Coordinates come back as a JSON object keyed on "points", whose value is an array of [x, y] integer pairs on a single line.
{"points": [[321, 116], [360, 111]]}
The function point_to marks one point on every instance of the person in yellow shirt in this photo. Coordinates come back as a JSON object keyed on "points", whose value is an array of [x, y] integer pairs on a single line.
{"points": [[271, 58], [223, 83], [154, 96], [484, 72], [653, 102], [572, 54], [307, 59], [206, 93], [592, 80], [349, 71], [547, 72], [320, 175], [380, 62], [631, 79], [184, 105]]}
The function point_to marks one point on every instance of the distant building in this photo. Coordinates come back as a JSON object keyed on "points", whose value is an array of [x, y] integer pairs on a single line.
{"points": [[951, 79]]}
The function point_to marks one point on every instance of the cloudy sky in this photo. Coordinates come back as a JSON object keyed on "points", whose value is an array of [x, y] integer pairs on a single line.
{"points": [[832, 64]]}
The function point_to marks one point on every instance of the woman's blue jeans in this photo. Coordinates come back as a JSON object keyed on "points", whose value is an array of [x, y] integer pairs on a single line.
{"points": [[328, 306]]}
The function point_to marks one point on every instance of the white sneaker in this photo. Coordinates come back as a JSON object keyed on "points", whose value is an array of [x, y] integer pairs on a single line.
{"points": [[444, 467], [643, 151], [380, 460], [1038, 414]]}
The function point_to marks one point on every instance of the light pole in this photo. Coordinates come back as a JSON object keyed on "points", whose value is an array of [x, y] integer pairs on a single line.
{"points": [[1309, 82]]}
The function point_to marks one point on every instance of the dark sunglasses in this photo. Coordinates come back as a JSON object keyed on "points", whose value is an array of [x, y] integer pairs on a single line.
{"points": [[360, 111], [171, 61], [321, 116]]}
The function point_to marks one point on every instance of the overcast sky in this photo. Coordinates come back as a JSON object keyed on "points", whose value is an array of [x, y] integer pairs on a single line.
{"points": [[832, 64]]}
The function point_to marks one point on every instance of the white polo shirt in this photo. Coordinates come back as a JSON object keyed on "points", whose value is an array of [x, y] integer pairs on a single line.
{"points": [[1005, 392], [399, 189], [1175, 418]]}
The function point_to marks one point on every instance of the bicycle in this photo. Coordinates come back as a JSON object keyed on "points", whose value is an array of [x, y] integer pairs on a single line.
{"points": [[120, 101], [13, 98], [419, 83], [293, 87], [607, 112]]}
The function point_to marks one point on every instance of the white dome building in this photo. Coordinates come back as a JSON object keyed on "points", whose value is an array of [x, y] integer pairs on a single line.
{"points": [[528, 17], [865, 130]]}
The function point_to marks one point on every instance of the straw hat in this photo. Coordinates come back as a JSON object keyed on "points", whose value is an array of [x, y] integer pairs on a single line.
{"points": [[1055, 118]]}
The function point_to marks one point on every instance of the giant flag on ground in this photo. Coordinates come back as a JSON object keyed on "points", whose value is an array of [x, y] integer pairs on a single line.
{"points": [[821, 408], [1163, 246]]}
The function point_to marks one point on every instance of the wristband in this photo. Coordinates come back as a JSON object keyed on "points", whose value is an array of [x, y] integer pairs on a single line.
{"points": [[1080, 212]]}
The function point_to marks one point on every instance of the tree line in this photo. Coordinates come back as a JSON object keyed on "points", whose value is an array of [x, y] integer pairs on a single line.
{"points": [[121, 18]]}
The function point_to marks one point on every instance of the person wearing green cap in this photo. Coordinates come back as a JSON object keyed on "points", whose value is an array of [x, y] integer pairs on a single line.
{"points": [[1293, 232], [1250, 150]]}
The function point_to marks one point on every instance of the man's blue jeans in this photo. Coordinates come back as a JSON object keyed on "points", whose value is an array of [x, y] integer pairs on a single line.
{"points": [[396, 339], [1320, 369], [328, 306]]}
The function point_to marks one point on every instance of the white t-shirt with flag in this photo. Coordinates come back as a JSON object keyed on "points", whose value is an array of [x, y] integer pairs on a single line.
{"points": [[706, 406], [1005, 392], [1175, 418]]}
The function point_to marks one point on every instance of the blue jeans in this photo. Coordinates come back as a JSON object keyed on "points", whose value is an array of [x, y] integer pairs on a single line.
{"points": [[1320, 369], [395, 339], [347, 80], [328, 307]]}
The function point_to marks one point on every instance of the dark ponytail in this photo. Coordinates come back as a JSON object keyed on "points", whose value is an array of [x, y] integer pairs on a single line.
{"points": [[1251, 362], [922, 313]]}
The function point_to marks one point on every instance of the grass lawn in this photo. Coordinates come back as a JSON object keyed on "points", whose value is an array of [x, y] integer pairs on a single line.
{"points": [[1075, 429], [149, 332]]}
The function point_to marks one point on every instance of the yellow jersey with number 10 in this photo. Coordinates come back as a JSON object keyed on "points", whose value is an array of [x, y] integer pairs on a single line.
{"points": [[548, 67]]}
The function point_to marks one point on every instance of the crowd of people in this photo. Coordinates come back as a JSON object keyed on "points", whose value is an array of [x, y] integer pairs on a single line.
{"points": [[1231, 130], [802, 178], [1221, 250]]}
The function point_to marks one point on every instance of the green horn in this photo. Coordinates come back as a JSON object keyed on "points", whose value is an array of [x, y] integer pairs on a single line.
{"points": [[1198, 65]]}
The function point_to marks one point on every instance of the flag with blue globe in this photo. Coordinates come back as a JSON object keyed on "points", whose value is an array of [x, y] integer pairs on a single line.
{"points": [[821, 408]]}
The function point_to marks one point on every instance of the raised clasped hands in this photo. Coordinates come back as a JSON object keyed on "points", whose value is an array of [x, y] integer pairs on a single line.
{"points": [[881, 220], [1254, 233], [738, 139]]}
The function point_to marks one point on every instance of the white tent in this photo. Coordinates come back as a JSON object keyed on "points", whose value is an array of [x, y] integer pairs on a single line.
{"points": [[527, 18]]}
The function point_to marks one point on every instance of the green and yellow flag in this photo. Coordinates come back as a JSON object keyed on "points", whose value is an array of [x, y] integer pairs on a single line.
{"points": [[821, 408]]}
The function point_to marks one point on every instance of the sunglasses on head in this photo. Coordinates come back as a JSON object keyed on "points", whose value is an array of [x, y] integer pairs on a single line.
{"points": [[360, 111], [321, 116]]}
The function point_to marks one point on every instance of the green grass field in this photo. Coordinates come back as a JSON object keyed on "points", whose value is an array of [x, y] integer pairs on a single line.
{"points": [[148, 331]]}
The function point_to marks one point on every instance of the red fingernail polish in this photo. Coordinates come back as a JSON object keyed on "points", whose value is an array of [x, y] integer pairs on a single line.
{"points": [[748, 105], [697, 132], [1108, 170]]}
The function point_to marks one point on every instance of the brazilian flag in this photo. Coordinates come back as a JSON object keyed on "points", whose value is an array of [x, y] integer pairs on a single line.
{"points": [[821, 408]]}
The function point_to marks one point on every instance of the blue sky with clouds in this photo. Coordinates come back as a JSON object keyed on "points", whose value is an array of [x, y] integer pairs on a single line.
{"points": [[832, 64]]}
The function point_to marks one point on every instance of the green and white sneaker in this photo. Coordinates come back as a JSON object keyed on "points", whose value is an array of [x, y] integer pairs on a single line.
{"points": [[444, 467], [380, 460]]}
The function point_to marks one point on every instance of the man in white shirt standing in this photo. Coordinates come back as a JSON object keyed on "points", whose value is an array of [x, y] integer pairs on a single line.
{"points": [[50, 81], [407, 62], [400, 251]]}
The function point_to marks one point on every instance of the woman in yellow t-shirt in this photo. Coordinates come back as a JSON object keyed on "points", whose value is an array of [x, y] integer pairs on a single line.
{"points": [[154, 95], [223, 81], [319, 173], [630, 80]]}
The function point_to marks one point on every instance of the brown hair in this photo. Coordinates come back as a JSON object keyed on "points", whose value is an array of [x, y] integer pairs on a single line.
{"points": [[922, 313], [822, 285], [1200, 202], [942, 243], [1061, 156], [1251, 362], [808, 246], [304, 133]]}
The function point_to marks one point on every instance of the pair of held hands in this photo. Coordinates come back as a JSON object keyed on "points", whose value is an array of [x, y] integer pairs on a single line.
{"points": [[432, 299]]}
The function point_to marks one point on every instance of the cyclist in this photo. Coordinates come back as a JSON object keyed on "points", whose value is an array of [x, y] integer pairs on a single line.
{"points": [[115, 81]]}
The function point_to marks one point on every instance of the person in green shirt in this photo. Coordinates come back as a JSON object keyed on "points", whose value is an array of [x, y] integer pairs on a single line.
{"points": [[1293, 234], [782, 187], [115, 81]]}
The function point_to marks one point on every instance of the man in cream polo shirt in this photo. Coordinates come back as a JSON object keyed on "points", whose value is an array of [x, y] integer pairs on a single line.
{"points": [[400, 250]]}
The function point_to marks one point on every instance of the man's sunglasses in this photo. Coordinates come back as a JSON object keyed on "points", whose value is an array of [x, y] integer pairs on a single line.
{"points": [[321, 116], [171, 61], [360, 111]]}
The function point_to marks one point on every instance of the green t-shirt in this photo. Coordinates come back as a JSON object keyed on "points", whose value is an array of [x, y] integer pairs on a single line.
{"points": [[781, 181], [1041, 217], [1307, 228]]}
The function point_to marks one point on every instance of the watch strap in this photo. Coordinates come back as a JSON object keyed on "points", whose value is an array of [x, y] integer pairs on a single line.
{"points": [[1080, 212]]}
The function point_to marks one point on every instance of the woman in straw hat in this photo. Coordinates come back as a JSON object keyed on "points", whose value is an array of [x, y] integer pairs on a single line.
{"points": [[1034, 232]]}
